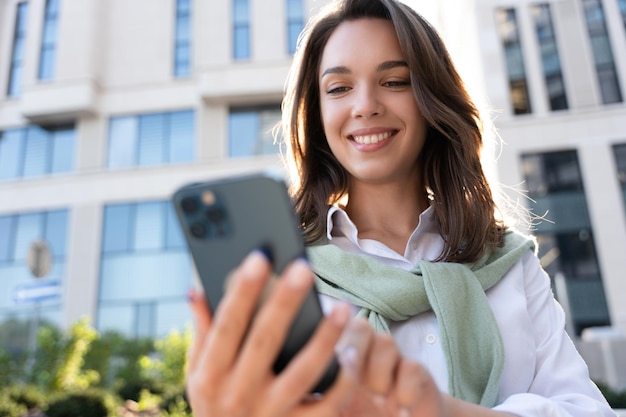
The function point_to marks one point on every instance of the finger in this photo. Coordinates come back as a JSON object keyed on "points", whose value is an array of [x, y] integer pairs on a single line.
{"points": [[202, 321], [351, 352], [232, 316], [272, 323], [380, 365], [410, 380], [308, 366]]}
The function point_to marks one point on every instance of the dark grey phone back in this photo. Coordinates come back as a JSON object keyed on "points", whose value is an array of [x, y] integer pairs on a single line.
{"points": [[224, 220]]}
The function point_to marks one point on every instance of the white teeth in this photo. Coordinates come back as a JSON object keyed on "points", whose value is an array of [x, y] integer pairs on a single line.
{"points": [[370, 139]]}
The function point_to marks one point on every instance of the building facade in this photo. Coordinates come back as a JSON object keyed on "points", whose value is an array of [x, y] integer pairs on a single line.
{"points": [[556, 71], [107, 107]]}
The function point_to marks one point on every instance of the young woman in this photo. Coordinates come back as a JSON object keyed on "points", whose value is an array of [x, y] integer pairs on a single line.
{"points": [[401, 224]]}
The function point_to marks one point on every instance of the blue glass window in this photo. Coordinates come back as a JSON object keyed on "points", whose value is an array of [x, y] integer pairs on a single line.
{"points": [[29, 229], [149, 226], [295, 23], [34, 151], [17, 233], [549, 56], [241, 29], [518, 85], [173, 234], [17, 57], [123, 132], [11, 156], [117, 230], [250, 131], [622, 9], [146, 269], [619, 152], [49, 40], [182, 43], [602, 52], [7, 224], [62, 150], [151, 139], [555, 187], [55, 232], [181, 133]]}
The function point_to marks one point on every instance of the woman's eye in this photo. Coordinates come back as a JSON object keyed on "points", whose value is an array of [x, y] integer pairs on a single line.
{"points": [[336, 90], [397, 83]]}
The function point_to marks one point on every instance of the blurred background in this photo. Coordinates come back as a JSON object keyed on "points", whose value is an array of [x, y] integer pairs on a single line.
{"points": [[106, 107]]}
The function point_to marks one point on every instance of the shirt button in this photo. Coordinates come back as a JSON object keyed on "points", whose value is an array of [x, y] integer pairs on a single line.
{"points": [[431, 339]]}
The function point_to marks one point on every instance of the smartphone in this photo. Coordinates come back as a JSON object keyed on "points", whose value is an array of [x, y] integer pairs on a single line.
{"points": [[223, 220]]}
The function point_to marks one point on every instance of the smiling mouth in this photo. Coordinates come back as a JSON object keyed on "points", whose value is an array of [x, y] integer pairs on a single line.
{"points": [[371, 139]]}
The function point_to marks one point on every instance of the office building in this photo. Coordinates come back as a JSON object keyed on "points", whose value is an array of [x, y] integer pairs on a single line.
{"points": [[106, 107]]}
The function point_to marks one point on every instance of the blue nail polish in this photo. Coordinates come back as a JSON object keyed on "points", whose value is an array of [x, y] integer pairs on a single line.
{"points": [[267, 252]]}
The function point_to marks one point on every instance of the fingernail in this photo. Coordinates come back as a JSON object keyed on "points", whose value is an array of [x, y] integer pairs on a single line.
{"points": [[404, 412], [348, 357], [266, 251], [251, 263], [191, 295], [298, 275], [340, 314]]}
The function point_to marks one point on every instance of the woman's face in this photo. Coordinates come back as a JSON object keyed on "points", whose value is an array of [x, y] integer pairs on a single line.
{"points": [[371, 119]]}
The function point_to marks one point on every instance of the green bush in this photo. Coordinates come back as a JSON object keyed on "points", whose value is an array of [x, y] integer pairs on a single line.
{"points": [[174, 398], [131, 389], [114, 356], [26, 395], [9, 408], [614, 398], [89, 403], [11, 367], [79, 373], [48, 357]]}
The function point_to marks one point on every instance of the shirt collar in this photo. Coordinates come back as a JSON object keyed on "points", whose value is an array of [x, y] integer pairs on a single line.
{"points": [[338, 223]]}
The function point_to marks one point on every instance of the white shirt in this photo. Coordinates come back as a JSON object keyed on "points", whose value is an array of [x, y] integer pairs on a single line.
{"points": [[544, 376]]}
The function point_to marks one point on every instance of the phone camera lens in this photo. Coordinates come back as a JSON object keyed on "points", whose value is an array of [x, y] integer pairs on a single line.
{"points": [[198, 230], [215, 215], [189, 205]]}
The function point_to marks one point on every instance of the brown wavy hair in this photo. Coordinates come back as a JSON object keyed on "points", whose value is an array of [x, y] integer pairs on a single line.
{"points": [[452, 170]]}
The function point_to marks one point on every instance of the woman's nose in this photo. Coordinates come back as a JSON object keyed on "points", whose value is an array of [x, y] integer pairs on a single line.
{"points": [[366, 104]]}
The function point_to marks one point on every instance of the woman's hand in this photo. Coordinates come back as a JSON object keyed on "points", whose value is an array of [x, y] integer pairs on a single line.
{"points": [[230, 361], [393, 386]]}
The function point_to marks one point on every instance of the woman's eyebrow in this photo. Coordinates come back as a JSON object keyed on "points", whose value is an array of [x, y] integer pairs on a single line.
{"points": [[337, 70], [387, 65]]}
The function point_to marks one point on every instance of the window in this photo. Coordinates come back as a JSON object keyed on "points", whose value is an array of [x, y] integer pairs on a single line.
{"points": [[146, 270], [549, 56], [17, 233], [49, 40], [151, 139], [518, 86], [619, 151], [17, 57], [566, 242], [295, 23], [602, 52], [182, 46], [250, 130], [241, 29], [622, 8], [35, 151]]}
